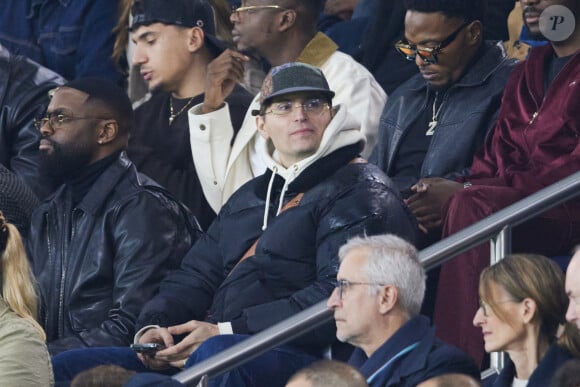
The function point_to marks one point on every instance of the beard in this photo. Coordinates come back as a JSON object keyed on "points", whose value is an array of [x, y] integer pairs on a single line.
{"points": [[64, 161], [533, 30]]}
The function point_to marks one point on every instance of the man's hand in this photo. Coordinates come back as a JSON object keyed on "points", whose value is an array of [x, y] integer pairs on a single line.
{"points": [[426, 204], [340, 8], [223, 73], [199, 332], [160, 336]]}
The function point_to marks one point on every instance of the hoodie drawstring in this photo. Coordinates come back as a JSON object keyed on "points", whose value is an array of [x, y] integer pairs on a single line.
{"points": [[268, 195], [282, 194]]}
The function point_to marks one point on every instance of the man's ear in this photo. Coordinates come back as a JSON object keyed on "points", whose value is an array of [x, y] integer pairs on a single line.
{"points": [[474, 32], [387, 298], [287, 20], [108, 132], [333, 111], [260, 124], [195, 39]]}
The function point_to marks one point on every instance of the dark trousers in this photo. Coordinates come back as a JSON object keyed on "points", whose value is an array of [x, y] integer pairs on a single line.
{"points": [[273, 368]]}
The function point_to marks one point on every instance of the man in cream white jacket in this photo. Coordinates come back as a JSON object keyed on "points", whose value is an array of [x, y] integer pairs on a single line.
{"points": [[278, 33]]}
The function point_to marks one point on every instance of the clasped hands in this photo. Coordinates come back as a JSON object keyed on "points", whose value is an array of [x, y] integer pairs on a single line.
{"points": [[430, 196], [175, 355]]}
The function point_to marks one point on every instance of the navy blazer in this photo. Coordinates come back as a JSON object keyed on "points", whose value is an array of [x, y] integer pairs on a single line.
{"points": [[415, 355], [554, 358]]}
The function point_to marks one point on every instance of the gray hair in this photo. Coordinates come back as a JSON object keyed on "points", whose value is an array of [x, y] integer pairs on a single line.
{"points": [[392, 261]]}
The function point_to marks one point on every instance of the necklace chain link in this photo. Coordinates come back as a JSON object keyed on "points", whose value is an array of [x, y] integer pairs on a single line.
{"points": [[173, 115], [435, 115]]}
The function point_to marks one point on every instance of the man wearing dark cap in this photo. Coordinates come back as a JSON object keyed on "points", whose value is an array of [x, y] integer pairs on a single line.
{"points": [[105, 239], [174, 42], [279, 31], [272, 250]]}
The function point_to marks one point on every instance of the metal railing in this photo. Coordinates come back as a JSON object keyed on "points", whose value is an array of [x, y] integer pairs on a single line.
{"points": [[496, 228], [259, 343]]}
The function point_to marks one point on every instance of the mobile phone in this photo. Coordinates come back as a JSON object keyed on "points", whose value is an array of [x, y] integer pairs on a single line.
{"points": [[147, 348]]}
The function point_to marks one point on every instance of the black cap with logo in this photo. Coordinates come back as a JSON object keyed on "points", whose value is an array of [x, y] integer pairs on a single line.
{"points": [[183, 13]]}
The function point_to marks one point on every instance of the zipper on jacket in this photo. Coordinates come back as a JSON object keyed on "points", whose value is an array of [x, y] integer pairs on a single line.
{"points": [[64, 254], [49, 246], [60, 326]]}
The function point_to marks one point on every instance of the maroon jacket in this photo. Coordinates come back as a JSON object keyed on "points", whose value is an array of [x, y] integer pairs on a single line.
{"points": [[536, 140]]}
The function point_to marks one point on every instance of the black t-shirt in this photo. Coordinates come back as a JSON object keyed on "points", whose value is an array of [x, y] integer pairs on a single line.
{"points": [[553, 67], [163, 151]]}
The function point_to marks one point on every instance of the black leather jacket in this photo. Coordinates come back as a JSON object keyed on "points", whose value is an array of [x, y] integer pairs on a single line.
{"points": [[24, 87], [470, 111], [99, 262]]}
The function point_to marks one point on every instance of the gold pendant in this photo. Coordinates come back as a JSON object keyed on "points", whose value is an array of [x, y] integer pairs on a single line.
{"points": [[431, 130]]}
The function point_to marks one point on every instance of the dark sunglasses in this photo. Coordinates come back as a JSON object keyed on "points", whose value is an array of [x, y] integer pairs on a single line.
{"points": [[428, 54]]}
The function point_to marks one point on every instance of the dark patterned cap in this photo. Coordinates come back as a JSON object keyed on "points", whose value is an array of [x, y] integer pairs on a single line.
{"points": [[292, 78], [183, 13]]}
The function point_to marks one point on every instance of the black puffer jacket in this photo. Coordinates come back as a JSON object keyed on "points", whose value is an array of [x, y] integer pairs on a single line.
{"points": [[470, 110], [296, 259], [99, 262], [24, 87]]}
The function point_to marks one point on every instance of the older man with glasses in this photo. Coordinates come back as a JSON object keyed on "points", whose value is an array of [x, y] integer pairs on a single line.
{"points": [[376, 303]]}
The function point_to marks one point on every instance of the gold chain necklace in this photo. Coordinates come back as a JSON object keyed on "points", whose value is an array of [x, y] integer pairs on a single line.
{"points": [[173, 115]]}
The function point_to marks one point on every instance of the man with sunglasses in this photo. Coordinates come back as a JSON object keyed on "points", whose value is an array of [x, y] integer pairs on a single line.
{"points": [[376, 304], [433, 123], [278, 31], [271, 252], [534, 143], [101, 244]]}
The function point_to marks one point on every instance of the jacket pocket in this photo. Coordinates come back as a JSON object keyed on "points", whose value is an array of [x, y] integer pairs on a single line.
{"points": [[63, 41]]}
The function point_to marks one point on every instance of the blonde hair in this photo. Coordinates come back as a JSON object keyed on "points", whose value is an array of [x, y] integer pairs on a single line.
{"points": [[539, 278], [17, 280]]}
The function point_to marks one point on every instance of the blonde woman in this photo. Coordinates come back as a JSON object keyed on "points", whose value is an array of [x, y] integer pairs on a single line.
{"points": [[24, 359], [523, 303]]}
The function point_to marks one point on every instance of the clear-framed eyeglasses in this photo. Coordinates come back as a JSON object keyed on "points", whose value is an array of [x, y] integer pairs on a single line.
{"points": [[343, 285], [485, 308], [313, 106], [57, 120]]}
